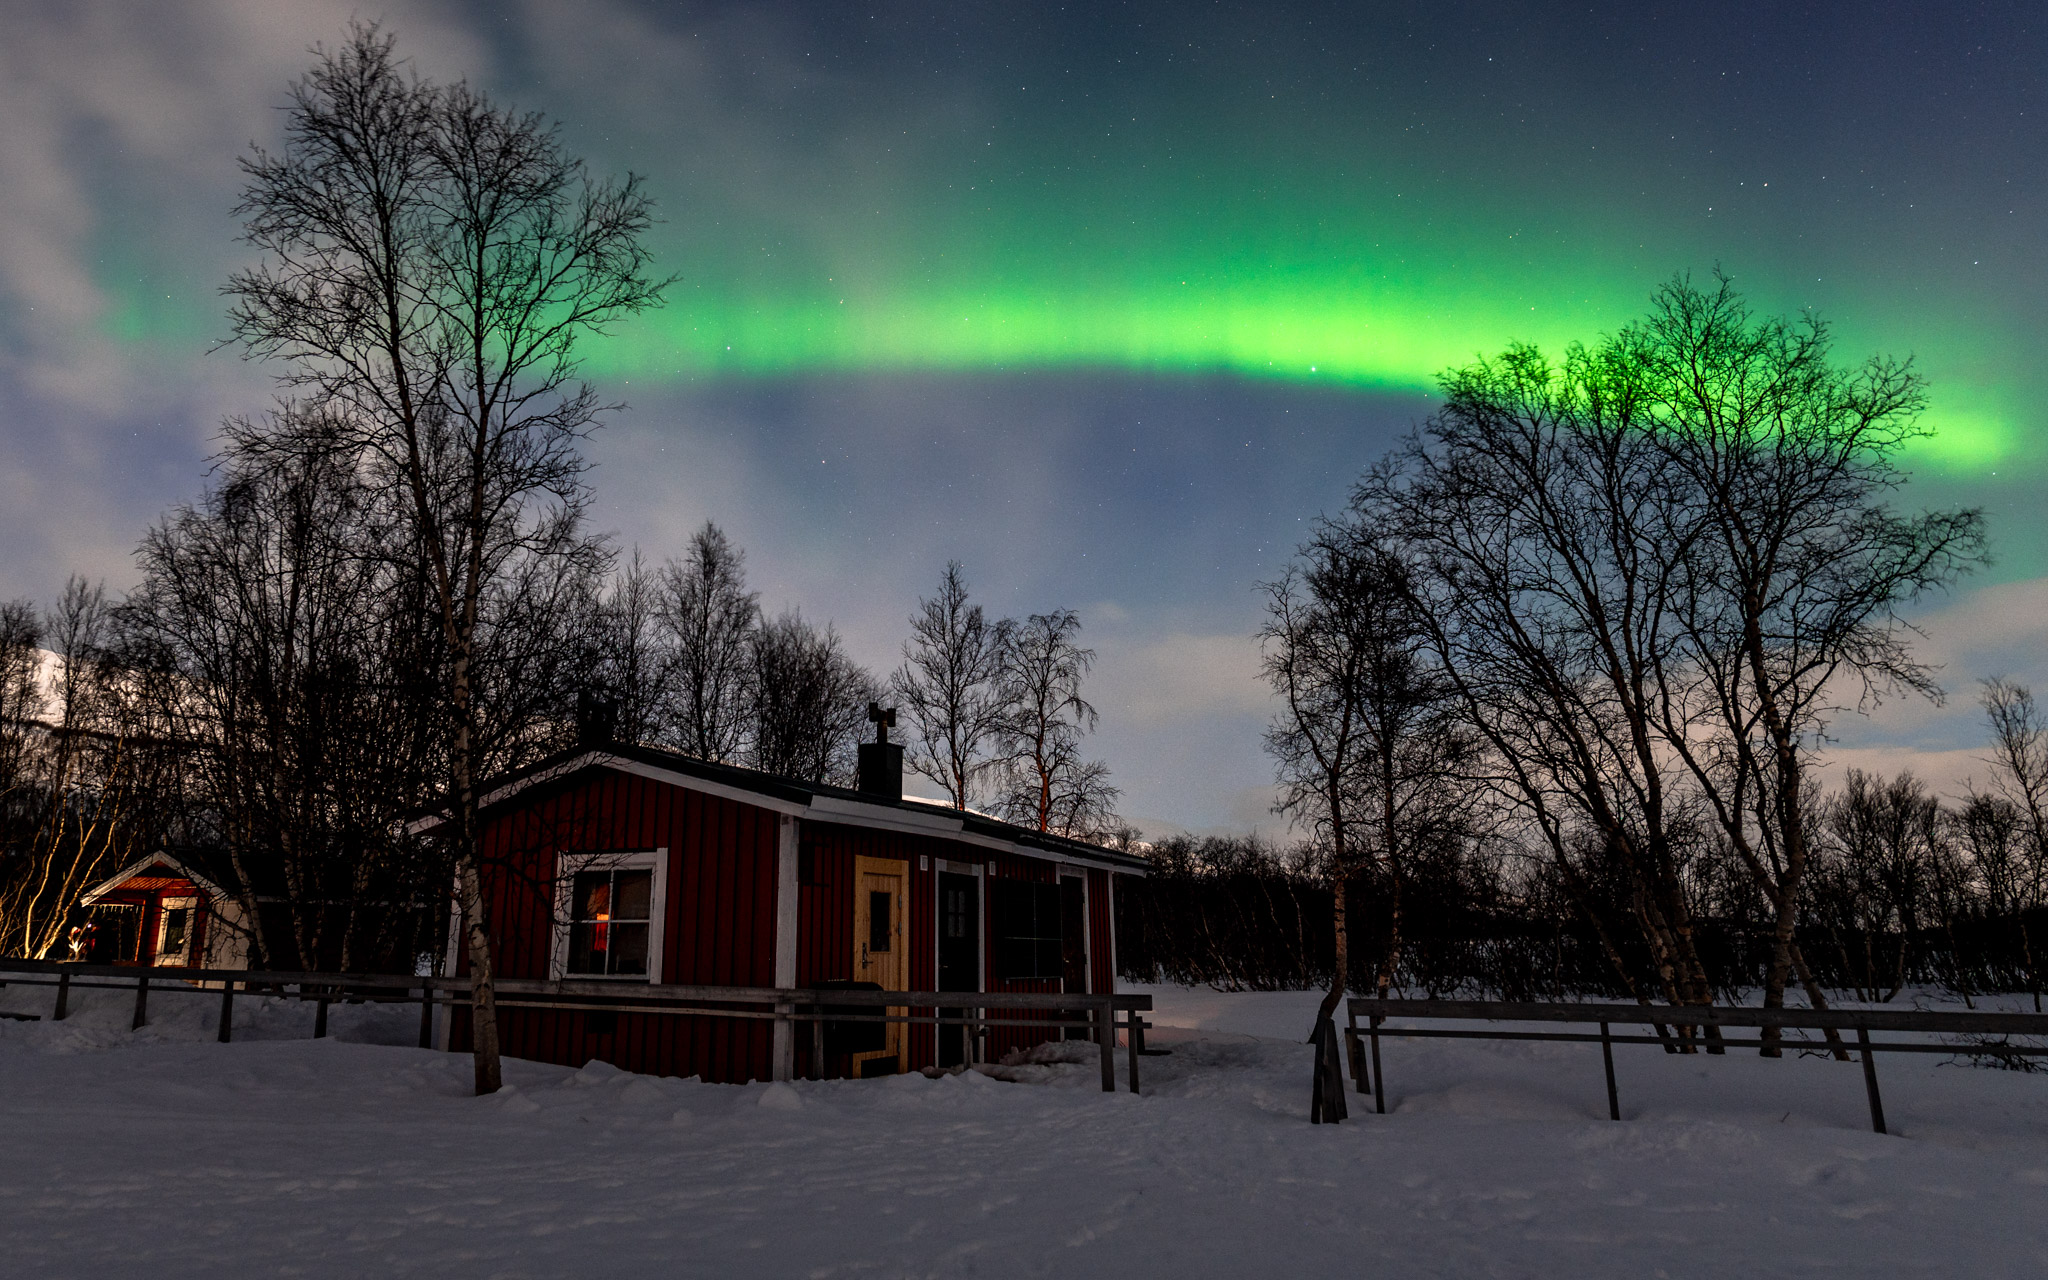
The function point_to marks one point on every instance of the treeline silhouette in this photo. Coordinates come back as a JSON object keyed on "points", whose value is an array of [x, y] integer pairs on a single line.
{"points": [[1908, 891]]}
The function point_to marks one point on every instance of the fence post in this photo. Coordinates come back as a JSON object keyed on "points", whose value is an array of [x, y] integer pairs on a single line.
{"points": [[426, 1013], [1379, 1077], [63, 996], [320, 1016], [1870, 1080], [1105, 1036], [782, 1043], [1607, 1056], [227, 1010], [817, 1042], [1136, 1021], [1354, 1051], [141, 1002], [1326, 1095]]}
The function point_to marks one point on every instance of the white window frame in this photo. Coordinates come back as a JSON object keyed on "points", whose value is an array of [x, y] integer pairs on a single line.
{"points": [[1087, 928], [566, 866], [950, 866], [164, 907]]}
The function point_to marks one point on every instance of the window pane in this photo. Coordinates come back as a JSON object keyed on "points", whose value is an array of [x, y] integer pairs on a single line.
{"points": [[587, 947], [174, 929], [878, 921], [610, 921], [1010, 907], [628, 949], [592, 899], [632, 893], [1047, 959], [1027, 929], [1013, 958]]}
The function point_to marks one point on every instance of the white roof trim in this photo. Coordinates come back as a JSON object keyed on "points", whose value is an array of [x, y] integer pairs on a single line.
{"points": [[890, 818], [821, 808], [879, 815], [690, 782], [107, 886]]}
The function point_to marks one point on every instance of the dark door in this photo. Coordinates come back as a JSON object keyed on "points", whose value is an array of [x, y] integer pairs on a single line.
{"points": [[959, 954]]}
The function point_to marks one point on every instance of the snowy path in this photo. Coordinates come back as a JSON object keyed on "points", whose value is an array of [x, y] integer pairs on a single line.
{"points": [[163, 1154]]}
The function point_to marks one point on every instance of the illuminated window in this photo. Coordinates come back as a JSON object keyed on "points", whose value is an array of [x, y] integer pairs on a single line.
{"points": [[609, 917], [174, 930]]}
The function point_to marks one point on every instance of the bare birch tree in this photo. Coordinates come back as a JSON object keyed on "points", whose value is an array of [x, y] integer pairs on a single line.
{"points": [[2019, 771], [629, 658], [71, 777], [809, 701], [950, 688], [1654, 572], [1534, 510], [298, 653], [1363, 745], [710, 617], [1047, 784], [1785, 599], [21, 694], [429, 262]]}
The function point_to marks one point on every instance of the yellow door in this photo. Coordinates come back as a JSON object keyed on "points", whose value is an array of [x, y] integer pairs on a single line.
{"points": [[881, 954]]}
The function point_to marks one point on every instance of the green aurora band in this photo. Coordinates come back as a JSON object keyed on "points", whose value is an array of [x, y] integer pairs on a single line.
{"points": [[1346, 281], [1376, 339]]}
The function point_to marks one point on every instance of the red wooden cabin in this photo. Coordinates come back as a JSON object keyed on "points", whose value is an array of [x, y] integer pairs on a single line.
{"points": [[157, 910], [637, 865]]}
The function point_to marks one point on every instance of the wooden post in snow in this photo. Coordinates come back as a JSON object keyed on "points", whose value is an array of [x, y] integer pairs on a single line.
{"points": [[426, 1013], [1379, 1077], [1136, 1041], [1870, 1080], [1105, 1036], [1607, 1056]]}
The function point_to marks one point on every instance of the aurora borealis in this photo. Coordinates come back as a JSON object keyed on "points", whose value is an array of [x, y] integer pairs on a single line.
{"points": [[1103, 300], [1303, 200]]}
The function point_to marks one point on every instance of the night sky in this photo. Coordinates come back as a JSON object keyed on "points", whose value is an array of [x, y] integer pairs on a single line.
{"points": [[1104, 300]]}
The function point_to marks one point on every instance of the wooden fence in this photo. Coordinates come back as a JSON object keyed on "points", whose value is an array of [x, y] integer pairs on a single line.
{"points": [[1690, 1029], [1102, 1016]]}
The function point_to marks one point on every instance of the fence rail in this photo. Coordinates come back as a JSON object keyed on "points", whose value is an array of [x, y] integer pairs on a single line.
{"points": [[1678, 1027], [1103, 1016]]}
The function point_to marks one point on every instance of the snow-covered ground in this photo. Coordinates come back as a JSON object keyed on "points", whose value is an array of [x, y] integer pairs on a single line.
{"points": [[161, 1153]]}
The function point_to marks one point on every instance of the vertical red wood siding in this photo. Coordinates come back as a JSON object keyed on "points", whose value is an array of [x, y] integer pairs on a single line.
{"points": [[1101, 949], [718, 924]]}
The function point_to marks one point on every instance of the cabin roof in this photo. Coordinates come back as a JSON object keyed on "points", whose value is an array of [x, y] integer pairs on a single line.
{"points": [[161, 858], [816, 801]]}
